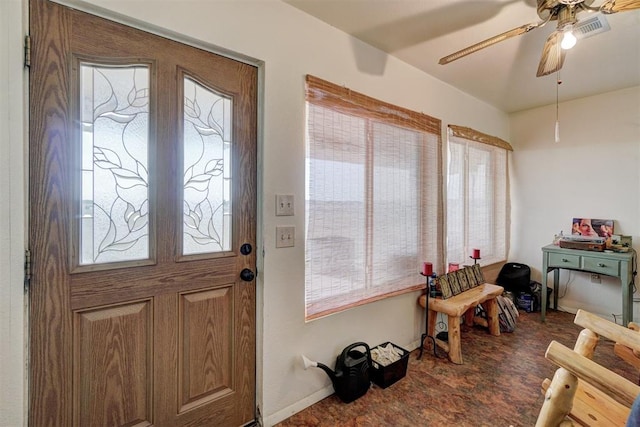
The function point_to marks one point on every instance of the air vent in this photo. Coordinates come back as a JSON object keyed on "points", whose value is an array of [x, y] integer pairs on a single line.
{"points": [[591, 26]]}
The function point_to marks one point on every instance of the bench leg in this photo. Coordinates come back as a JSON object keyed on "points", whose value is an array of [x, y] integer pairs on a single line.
{"points": [[469, 315], [491, 307], [455, 349]]}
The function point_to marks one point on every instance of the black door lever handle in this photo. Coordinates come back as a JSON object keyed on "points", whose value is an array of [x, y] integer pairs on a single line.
{"points": [[247, 275]]}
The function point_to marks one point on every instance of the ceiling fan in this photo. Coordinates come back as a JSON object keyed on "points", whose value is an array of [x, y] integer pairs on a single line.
{"points": [[563, 11]]}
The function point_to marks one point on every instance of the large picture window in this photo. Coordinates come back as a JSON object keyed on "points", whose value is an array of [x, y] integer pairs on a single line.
{"points": [[373, 199], [477, 196]]}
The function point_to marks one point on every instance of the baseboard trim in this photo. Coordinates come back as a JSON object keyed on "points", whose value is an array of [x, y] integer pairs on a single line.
{"points": [[316, 397], [298, 406]]}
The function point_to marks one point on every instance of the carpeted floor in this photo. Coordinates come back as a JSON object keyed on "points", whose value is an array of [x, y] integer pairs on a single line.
{"points": [[498, 385]]}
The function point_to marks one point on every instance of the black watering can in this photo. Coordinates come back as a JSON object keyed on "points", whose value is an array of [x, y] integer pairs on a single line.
{"points": [[351, 377]]}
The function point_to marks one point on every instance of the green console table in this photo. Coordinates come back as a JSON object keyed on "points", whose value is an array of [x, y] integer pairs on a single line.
{"points": [[618, 265]]}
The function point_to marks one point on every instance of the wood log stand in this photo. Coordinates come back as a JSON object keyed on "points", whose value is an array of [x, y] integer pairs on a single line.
{"points": [[460, 305]]}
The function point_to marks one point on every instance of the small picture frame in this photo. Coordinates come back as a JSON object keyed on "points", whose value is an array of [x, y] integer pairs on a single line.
{"points": [[453, 283], [462, 279], [445, 287], [477, 271], [591, 227], [471, 278]]}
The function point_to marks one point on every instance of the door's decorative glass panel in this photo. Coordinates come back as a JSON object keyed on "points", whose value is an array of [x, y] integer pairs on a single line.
{"points": [[114, 114], [207, 170]]}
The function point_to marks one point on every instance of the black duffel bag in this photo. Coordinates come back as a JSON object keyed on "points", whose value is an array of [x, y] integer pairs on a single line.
{"points": [[515, 277]]}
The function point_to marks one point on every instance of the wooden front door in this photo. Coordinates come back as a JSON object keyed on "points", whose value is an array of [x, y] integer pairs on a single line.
{"points": [[142, 227]]}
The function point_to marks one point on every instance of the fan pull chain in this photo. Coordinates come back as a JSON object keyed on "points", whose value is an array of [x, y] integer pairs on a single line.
{"points": [[558, 83]]}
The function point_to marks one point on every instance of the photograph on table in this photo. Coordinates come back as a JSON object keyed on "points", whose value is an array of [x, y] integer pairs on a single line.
{"points": [[588, 227]]}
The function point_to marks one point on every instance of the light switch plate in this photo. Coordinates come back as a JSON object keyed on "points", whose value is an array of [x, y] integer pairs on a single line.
{"points": [[284, 204], [285, 237]]}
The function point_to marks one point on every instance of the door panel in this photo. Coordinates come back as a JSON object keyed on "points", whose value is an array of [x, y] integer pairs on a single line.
{"points": [[142, 191], [206, 368], [114, 343]]}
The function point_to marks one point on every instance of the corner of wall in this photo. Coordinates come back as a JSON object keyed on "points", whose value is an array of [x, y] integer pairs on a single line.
{"points": [[13, 190]]}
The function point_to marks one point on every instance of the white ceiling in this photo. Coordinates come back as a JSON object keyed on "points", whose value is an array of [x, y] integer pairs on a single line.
{"points": [[420, 32]]}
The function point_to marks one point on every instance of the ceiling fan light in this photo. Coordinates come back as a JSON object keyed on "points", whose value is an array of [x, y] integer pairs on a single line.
{"points": [[568, 40]]}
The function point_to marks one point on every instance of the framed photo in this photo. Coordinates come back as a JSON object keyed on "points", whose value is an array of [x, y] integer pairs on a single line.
{"points": [[477, 271], [462, 279], [471, 278], [588, 227], [453, 283], [445, 287]]}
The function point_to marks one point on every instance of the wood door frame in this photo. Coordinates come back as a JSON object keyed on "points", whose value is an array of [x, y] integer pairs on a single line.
{"points": [[259, 65]]}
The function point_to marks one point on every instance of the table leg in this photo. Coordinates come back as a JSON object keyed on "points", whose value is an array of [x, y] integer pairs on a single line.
{"points": [[627, 294], [543, 291], [556, 285]]}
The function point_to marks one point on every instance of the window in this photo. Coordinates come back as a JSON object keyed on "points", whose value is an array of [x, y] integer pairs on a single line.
{"points": [[477, 196], [114, 182], [373, 199], [206, 190]]}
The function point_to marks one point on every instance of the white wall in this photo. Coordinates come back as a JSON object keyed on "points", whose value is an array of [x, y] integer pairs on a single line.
{"points": [[12, 221], [593, 172]]}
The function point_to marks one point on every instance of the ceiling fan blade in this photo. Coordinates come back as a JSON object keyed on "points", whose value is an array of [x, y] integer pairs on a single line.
{"points": [[491, 41], [614, 6], [552, 55]]}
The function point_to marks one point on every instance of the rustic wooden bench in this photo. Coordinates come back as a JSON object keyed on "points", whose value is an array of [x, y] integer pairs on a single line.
{"points": [[463, 304], [626, 353], [583, 392]]}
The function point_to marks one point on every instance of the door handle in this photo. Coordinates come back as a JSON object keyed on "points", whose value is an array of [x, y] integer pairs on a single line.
{"points": [[247, 275]]}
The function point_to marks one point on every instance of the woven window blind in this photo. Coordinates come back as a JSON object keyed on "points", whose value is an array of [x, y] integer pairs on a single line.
{"points": [[477, 196], [373, 199]]}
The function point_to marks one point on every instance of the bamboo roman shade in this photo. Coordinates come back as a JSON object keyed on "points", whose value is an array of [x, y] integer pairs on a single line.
{"points": [[373, 199], [473, 135], [477, 196]]}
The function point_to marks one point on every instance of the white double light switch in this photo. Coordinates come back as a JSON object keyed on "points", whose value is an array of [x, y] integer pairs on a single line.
{"points": [[285, 237], [284, 204]]}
